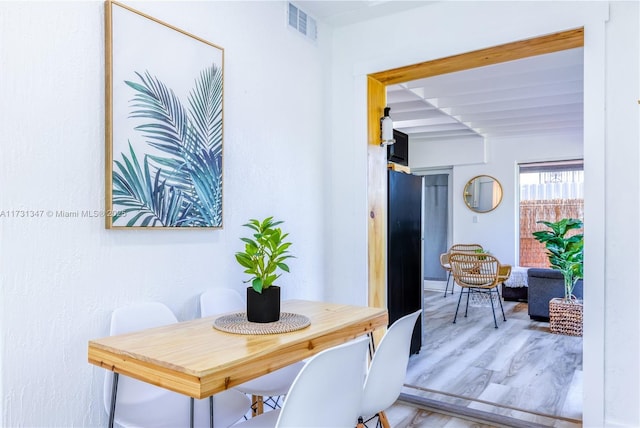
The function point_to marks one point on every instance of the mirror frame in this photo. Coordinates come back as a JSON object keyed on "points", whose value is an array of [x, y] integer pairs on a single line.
{"points": [[466, 194]]}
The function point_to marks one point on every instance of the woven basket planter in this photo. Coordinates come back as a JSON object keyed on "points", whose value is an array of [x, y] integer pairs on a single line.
{"points": [[565, 317]]}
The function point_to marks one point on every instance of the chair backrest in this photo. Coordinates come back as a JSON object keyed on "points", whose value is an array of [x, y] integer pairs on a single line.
{"points": [[461, 248], [139, 317], [219, 301], [328, 390], [474, 269], [388, 367], [444, 261], [126, 320]]}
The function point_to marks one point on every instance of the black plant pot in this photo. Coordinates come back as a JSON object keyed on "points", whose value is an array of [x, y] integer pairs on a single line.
{"points": [[265, 306]]}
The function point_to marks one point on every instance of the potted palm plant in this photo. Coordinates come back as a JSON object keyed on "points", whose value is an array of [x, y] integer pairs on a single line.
{"points": [[263, 258], [565, 254]]}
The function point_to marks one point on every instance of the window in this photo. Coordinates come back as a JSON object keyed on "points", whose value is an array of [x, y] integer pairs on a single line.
{"points": [[549, 191]]}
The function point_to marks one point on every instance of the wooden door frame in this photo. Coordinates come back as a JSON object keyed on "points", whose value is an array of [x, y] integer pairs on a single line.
{"points": [[376, 156]]}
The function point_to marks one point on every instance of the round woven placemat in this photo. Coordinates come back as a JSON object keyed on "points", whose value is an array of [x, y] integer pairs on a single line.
{"points": [[237, 323]]}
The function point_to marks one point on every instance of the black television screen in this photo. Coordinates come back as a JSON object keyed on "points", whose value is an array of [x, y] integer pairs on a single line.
{"points": [[399, 151]]}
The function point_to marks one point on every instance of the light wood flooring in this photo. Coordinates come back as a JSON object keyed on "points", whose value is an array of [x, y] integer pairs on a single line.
{"points": [[519, 371]]}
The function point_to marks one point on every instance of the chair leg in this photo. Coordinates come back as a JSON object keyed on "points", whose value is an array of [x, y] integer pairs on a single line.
{"points": [[501, 307], [257, 405], [272, 401], [381, 421], [493, 311], [382, 417], [466, 309], [447, 285], [458, 307]]}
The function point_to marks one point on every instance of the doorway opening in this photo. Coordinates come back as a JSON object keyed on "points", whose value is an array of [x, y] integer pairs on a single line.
{"points": [[377, 83], [436, 224]]}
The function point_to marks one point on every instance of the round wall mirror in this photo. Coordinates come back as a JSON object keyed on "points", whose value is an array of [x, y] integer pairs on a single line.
{"points": [[482, 194]]}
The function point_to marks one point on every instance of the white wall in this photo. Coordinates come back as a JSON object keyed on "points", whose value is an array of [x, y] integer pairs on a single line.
{"points": [[621, 297], [430, 153], [497, 230], [442, 29], [60, 278]]}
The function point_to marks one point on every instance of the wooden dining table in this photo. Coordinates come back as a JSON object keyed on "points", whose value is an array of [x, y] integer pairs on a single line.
{"points": [[195, 359]]}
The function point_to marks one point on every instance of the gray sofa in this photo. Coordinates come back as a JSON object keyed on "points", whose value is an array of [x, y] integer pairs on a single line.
{"points": [[544, 285]]}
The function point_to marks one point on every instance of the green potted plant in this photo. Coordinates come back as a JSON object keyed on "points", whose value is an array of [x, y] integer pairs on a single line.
{"points": [[565, 254], [481, 251], [263, 258]]}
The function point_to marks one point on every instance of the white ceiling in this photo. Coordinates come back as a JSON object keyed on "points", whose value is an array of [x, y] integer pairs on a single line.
{"points": [[337, 12], [540, 95]]}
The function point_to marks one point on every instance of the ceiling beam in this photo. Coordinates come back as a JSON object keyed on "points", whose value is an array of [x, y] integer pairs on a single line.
{"points": [[508, 52]]}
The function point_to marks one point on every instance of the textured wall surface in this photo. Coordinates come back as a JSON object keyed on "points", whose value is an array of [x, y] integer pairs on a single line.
{"points": [[61, 277], [611, 138]]}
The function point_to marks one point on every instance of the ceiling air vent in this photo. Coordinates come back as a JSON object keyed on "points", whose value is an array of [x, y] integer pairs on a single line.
{"points": [[299, 20]]}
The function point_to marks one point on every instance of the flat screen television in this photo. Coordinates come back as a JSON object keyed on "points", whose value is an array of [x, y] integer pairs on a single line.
{"points": [[399, 151]]}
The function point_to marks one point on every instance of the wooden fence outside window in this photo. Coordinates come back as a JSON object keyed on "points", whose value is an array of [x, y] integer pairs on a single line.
{"points": [[532, 252]]}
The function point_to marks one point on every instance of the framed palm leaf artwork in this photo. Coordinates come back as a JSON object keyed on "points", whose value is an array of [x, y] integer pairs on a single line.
{"points": [[164, 122]]}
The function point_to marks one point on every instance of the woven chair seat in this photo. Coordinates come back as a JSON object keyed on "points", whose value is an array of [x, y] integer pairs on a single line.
{"points": [[477, 281]]}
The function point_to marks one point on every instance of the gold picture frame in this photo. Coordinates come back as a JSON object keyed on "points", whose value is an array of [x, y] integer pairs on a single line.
{"points": [[163, 124]]}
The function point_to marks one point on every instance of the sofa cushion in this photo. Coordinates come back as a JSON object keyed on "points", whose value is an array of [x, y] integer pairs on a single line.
{"points": [[545, 273]]}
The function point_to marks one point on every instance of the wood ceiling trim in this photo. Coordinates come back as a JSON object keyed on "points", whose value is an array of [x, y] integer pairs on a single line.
{"points": [[508, 52]]}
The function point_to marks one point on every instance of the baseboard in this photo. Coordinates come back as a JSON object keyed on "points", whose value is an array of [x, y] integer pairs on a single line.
{"points": [[430, 285]]}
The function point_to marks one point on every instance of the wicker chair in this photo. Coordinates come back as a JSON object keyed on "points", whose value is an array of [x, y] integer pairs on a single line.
{"points": [[464, 248], [478, 273], [444, 260]]}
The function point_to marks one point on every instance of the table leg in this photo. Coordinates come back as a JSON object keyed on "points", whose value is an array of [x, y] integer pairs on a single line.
{"points": [[211, 411], [114, 392], [372, 345], [191, 404]]}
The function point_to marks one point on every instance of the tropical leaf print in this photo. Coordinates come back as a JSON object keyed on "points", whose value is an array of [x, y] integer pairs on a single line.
{"points": [[182, 184], [144, 198]]}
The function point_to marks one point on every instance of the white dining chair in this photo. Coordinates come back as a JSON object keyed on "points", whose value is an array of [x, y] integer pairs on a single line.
{"points": [[274, 385], [140, 404], [388, 369], [326, 393]]}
